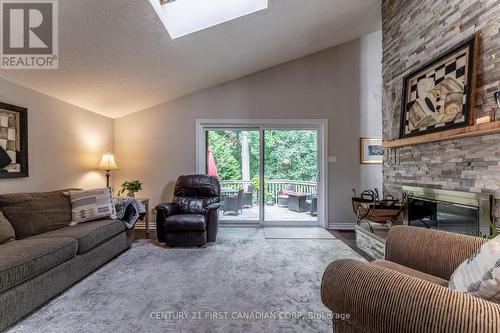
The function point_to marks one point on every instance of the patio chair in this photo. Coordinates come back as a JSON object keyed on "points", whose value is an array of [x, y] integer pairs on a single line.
{"points": [[247, 200], [312, 204], [284, 195], [232, 203]]}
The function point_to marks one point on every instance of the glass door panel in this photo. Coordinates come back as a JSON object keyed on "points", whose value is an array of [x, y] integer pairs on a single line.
{"points": [[233, 155], [291, 175]]}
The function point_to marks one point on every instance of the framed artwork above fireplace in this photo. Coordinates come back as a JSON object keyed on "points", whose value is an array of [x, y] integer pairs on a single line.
{"points": [[439, 95], [13, 141]]}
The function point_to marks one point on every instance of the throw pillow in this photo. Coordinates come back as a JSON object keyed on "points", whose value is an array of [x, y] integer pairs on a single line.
{"points": [[90, 205], [7, 233], [479, 275]]}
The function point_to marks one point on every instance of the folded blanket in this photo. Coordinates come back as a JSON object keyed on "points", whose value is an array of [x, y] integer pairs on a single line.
{"points": [[129, 210]]}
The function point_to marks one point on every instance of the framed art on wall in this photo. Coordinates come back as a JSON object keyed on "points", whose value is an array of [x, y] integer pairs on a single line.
{"points": [[371, 150], [13, 141], [440, 95]]}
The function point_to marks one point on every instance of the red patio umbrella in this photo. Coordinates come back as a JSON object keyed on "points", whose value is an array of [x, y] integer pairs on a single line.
{"points": [[212, 166]]}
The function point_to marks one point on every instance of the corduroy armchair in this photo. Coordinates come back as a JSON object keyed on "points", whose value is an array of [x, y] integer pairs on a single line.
{"points": [[408, 291]]}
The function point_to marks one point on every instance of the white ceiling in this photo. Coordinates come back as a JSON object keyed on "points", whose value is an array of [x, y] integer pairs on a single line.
{"points": [[116, 58]]}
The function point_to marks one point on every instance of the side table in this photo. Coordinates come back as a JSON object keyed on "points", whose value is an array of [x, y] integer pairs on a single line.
{"points": [[145, 202]]}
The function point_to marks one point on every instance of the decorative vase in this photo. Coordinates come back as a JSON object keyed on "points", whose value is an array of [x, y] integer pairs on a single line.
{"points": [[131, 194]]}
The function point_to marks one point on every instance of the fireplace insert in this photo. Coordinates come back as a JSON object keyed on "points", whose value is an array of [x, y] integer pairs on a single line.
{"points": [[459, 212]]}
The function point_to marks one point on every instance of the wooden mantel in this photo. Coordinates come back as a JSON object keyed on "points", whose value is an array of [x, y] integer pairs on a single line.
{"points": [[457, 133]]}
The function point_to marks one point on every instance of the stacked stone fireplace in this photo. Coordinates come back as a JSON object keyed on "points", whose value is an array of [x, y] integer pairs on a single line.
{"points": [[413, 36]]}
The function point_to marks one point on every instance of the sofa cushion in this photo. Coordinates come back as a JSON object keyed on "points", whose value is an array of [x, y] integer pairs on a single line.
{"points": [[88, 234], [24, 259], [7, 233], [408, 271], [35, 213], [185, 222]]}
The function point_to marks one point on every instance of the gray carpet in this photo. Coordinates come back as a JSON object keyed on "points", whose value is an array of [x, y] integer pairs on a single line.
{"points": [[297, 233], [243, 274]]}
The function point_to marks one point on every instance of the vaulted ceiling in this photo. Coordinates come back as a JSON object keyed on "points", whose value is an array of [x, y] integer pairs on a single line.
{"points": [[116, 58]]}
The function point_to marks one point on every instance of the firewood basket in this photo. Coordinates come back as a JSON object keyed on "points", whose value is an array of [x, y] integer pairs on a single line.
{"points": [[369, 209]]}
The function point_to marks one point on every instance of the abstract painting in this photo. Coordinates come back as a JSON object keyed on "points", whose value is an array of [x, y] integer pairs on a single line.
{"points": [[13, 141], [371, 151], [438, 95]]}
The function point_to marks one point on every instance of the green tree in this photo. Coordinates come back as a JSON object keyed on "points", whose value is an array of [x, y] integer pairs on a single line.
{"points": [[225, 148], [288, 154], [291, 155]]}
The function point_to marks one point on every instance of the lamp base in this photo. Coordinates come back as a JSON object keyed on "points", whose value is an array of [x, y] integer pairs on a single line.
{"points": [[107, 177]]}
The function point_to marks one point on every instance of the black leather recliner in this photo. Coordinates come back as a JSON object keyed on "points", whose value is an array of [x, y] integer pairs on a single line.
{"points": [[192, 218]]}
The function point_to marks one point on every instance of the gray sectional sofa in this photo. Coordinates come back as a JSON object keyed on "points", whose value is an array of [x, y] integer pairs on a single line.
{"points": [[46, 255]]}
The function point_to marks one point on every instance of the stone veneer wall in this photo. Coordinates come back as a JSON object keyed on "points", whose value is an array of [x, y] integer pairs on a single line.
{"points": [[415, 32]]}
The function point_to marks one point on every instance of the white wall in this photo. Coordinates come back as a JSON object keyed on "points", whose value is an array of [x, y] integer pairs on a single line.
{"points": [[340, 84], [64, 142]]}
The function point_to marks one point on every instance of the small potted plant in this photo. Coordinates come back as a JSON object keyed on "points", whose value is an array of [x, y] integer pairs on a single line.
{"points": [[269, 199], [132, 187]]}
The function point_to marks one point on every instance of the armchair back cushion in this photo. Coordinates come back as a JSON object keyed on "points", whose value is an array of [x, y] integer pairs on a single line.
{"points": [[194, 193], [433, 252]]}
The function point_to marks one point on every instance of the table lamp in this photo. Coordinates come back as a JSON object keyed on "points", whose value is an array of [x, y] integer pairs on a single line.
{"points": [[108, 163]]}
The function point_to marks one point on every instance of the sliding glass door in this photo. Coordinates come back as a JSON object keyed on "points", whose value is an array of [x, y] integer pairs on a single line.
{"points": [[291, 175], [233, 155], [268, 175]]}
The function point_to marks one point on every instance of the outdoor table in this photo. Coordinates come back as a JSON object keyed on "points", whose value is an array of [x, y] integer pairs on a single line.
{"points": [[297, 201]]}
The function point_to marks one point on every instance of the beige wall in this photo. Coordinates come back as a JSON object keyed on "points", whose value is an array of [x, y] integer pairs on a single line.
{"points": [[65, 142], [341, 84]]}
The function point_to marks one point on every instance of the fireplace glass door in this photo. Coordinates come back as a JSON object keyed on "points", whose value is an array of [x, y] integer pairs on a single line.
{"points": [[445, 216], [457, 218]]}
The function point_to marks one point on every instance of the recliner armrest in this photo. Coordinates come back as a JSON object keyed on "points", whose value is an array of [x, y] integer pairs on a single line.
{"points": [[213, 206], [167, 209], [163, 211]]}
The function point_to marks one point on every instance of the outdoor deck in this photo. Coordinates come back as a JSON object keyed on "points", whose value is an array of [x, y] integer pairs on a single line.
{"points": [[272, 213]]}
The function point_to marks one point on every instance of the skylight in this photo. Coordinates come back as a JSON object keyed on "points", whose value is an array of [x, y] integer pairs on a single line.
{"points": [[184, 17]]}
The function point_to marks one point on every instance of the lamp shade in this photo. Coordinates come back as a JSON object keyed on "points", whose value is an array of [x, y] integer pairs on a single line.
{"points": [[108, 162], [4, 159]]}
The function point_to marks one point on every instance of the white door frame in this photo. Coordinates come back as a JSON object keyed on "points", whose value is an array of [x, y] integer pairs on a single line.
{"points": [[321, 125]]}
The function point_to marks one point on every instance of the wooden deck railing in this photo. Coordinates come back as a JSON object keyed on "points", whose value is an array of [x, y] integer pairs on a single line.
{"points": [[274, 186]]}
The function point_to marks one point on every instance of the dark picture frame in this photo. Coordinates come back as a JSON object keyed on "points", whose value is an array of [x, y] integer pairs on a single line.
{"points": [[440, 94], [17, 118]]}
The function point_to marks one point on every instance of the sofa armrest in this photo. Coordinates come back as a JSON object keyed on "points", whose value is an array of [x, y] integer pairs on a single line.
{"points": [[381, 300], [430, 251]]}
